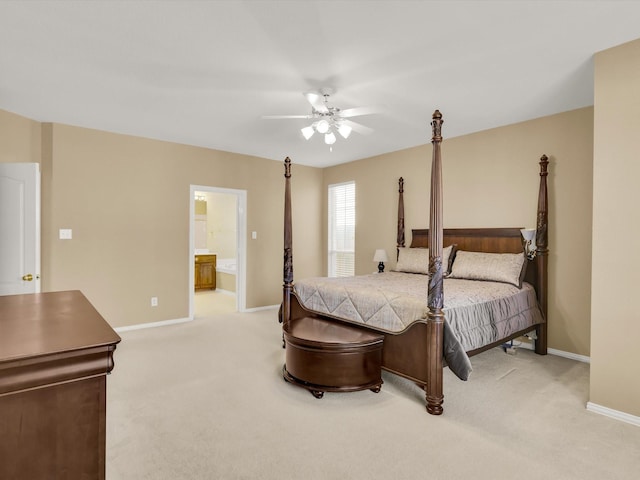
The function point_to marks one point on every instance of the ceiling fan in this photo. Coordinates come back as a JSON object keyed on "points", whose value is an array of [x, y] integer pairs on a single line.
{"points": [[329, 120]]}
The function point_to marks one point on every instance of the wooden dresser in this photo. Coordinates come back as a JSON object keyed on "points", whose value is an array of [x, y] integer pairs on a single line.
{"points": [[205, 272], [55, 353]]}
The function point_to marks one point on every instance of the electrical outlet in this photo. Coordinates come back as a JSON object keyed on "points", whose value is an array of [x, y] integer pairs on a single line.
{"points": [[154, 301]]}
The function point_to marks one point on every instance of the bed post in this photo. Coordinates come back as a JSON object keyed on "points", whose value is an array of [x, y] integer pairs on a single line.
{"points": [[288, 252], [542, 255], [435, 317], [400, 228]]}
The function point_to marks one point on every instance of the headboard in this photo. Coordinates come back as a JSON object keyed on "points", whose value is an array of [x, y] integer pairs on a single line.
{"points": [[489, 240]]}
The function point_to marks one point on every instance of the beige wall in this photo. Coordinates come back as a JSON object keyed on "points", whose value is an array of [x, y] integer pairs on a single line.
{"points": [[490, 179], [127, 201], [221, 224], [20, 139], [615, 362]]}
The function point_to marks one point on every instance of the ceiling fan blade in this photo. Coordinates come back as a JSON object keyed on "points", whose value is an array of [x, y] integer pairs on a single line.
{"points": [[357, 127], [358, 111], [317, 101], [277, 117]]}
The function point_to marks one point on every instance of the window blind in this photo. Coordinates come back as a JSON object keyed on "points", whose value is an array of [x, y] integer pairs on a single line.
{"points": [[342, 229]]}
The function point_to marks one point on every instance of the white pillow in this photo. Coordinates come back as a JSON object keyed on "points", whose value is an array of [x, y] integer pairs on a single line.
{"points": [[495, 267], [416, 260]]}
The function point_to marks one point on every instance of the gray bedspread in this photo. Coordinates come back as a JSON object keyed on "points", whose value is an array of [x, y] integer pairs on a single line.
{"points": [[477, 313]]}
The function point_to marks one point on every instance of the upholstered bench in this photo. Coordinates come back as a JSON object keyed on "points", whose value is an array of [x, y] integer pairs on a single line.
{"points": [[325, 356]]}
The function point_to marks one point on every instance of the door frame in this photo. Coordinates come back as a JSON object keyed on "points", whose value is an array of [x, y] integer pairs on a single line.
{"points": [[241, 243]]}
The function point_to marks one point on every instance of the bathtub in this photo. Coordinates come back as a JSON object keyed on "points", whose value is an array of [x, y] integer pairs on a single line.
{"points": [[226, 274], [226, 265]]}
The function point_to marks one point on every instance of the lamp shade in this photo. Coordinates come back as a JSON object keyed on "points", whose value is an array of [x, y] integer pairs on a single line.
{"points": [[344, 130], [380, 256], [528, 233], [322, 126], [312, 98], [307, 132], [329, 138]]}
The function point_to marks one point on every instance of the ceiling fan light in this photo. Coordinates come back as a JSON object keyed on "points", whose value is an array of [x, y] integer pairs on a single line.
{"points": [[344, 130], [307, 132], [312, 98], [330, 138], [322, 126]]}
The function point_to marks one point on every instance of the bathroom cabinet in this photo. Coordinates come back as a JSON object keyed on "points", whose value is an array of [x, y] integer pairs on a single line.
{"points": [[205, 272]]}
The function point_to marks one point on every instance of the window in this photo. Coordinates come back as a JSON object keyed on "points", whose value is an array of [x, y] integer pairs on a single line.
{"points": [[342, 229]]}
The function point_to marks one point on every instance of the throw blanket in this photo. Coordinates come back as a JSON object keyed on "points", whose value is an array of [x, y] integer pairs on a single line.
{"points": [[477, 313]]}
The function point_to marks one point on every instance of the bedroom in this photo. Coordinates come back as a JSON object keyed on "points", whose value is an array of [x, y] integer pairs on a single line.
{"points": [[137, 185]]}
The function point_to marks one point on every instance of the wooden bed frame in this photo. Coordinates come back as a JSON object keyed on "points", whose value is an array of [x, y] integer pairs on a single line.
{"points": [[417, 353]]}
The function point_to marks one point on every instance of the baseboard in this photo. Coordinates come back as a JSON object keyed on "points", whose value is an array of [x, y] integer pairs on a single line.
{"points": [[572, 356], [615, 414], [258, 309], [559, 353], [162, 323], [165, 323], [225, 292]]}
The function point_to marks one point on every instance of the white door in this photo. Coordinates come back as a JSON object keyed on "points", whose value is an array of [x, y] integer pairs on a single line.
{"points": [[19, 228]]}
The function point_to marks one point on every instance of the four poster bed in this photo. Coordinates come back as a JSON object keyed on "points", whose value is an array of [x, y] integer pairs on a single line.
{"points": [[481, 291]]}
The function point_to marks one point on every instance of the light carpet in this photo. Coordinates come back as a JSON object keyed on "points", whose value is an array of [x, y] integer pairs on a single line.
{"points": [[206, 400], [207, 303]]}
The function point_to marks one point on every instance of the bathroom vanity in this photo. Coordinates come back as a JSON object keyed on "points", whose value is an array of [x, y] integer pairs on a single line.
{"points": [[205, 271]]}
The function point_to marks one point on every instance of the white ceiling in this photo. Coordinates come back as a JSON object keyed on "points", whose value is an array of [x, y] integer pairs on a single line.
{"points": [[205, 72]]}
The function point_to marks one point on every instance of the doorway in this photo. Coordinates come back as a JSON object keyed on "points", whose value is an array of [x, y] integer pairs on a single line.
{"points": [[217, 233]]}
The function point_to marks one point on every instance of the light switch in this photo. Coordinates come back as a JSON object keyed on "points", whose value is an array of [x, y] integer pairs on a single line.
{"points": [[254, 235], [65, 234]]}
